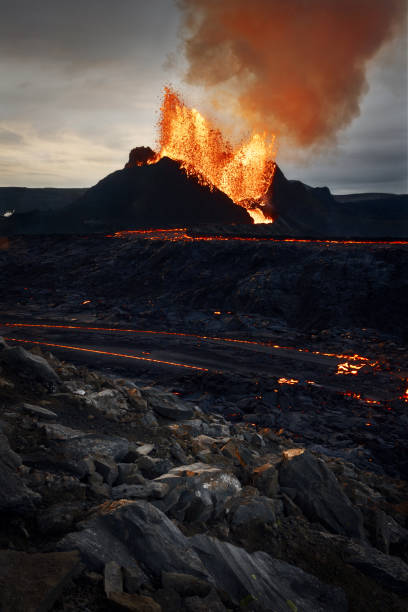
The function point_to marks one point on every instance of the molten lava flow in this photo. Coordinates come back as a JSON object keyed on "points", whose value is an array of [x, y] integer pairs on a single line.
{"points": [[98, 352], [347, 368], [243, 173], [288, 381], [178, 234]]}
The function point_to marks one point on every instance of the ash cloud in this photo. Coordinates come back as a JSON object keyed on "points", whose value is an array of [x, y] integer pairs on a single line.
{"points": [[299, 66]]}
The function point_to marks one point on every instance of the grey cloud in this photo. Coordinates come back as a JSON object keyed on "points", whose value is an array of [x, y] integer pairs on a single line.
{"points": [[83, 32], [9, 137]]}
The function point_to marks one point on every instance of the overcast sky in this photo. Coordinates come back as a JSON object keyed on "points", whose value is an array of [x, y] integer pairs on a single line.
{"points": [[81, 84]]}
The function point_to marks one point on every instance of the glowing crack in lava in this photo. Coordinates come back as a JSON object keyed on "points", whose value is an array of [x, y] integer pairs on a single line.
{"points": [[243, 173]]}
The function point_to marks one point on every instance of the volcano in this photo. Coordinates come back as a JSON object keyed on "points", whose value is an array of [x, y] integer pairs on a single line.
{"points": [[150, 194], [138, 196]]}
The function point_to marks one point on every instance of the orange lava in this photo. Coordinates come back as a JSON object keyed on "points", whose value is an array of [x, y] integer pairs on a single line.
{"points": [[288, 381], [347, 368], [354, 357], [86, 350], [243, 173], [176, 234]]}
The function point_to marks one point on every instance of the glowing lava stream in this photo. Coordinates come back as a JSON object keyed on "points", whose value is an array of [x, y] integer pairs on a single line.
{"points": [[87, 350], [196, 336], [181, 233]]}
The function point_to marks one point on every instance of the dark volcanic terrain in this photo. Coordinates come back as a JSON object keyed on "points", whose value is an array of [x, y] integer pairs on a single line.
{"points": [[219, 423]]}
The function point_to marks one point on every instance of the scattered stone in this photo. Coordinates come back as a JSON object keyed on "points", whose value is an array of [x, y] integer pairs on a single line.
{"points": [[202, 491], [125, 531], [389, 571], [389, 534], [15, 496], [145, 449], [259, 578], [165, 404], [151, 467], [74, 451], [55, 431], [266, 478], [315, 489], [107, 468], [157, 490], [110, 402], [113, 578], [29, 365], [134, 577], [38, 411], [128, 473], [244, 511], [237, 452]]}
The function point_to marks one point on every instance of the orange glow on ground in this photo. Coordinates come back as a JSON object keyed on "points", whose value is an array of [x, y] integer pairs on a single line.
{"points": [[179, 234], [186, 335], [288, 381], [86, 350], [243, 173], [347, 368]]}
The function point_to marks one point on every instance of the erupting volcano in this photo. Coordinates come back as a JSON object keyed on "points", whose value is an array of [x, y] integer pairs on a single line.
{"points": [[244, 173]]}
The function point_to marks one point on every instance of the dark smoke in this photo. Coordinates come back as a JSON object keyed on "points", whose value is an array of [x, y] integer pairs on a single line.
{"points": [[299, 65]]}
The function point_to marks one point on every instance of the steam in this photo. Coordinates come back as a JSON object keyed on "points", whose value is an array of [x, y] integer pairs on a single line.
{"points": [[296, 67]]}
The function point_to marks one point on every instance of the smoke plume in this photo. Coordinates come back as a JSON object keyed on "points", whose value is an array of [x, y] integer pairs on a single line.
{"points": [[297, 66]]}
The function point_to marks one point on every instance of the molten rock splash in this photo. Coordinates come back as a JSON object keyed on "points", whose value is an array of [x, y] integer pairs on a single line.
{"points": [[243, 173]]}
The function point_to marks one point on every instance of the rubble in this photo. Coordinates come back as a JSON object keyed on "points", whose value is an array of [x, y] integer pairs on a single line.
{"points": [[261, 524]]}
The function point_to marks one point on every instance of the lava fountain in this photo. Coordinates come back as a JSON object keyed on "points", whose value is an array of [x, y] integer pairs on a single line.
{"points": [[244, 173]]}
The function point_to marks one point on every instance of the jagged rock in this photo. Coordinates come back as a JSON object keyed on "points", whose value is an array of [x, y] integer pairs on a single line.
{"points": [[198, 491], [389, 571], [165, 404], [55, 431], [32, 582], [110, 402], [134, 577], [137, 401], [236, 451], [178, 453], [148, 419], [31, 366], [15, 496], [97, 486], [128, 473], [389, 534], [315, 489], [113, 578], [156, 490], [272, 584], [125, 531], [266, 478], [185, 584], [244, 511], [73, 453], [145, 449], [151, 467], [107, 468], [39, 411]]}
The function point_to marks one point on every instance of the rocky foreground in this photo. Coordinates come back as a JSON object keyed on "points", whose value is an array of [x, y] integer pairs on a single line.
{"points": [[116, 496]]}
